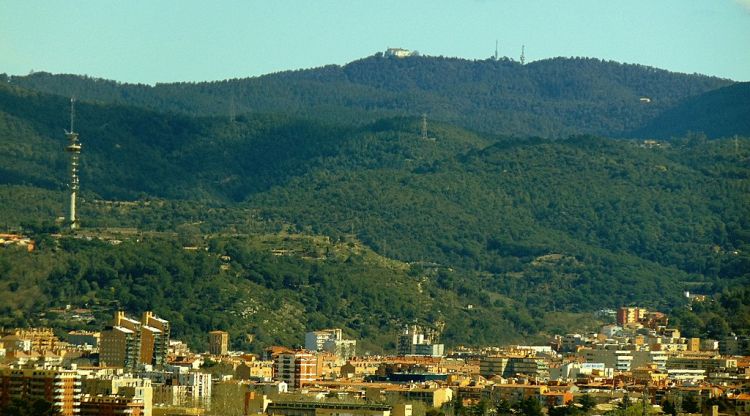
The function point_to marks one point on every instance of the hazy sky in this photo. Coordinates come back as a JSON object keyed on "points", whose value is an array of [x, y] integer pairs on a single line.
{"points": [[152, 41]]}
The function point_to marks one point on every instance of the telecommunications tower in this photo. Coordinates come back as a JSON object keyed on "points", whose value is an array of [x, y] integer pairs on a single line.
{"points": [[74, 148]]}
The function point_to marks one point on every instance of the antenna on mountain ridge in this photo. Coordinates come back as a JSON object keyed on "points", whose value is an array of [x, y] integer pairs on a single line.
{"points": [[424, 129], [496, 44], [74, 148], [232, 109], [72, 112], [233, 128], [523, 54]]}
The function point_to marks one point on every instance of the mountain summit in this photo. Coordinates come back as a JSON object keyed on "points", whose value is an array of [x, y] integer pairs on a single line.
{"points": [[547, 98]]}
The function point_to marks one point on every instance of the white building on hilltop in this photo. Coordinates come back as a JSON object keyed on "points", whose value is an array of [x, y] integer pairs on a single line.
{"points": [[398, 53]]}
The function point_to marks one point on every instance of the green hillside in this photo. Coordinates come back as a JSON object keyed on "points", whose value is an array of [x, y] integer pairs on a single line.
{"points": [[548, 98], [724, 112], [365, 225]]}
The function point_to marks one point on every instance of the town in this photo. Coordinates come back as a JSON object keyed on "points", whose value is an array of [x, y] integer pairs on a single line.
{"points": [[341, 208], [132, 366]]}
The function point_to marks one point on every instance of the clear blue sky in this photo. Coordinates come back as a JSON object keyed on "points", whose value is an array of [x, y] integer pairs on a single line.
{"points": [[152, 41]]}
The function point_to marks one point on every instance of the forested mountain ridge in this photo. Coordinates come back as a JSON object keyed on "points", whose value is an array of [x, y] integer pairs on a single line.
{"points": [[723, 112], [547, 98], [539, 232], [129, 151]]}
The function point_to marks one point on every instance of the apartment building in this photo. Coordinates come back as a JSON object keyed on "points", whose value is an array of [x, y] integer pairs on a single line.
{"points": [[218, 342], [128, 343], [295, 368], [511, 366], [331, 340], [119, 347], [630, 315], [60, 387], [158, 341], [619, 359], [417, 341], [40, 339], [314, 340]]}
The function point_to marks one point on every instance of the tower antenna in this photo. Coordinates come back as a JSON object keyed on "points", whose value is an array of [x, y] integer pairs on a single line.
{"points": [[72, 113], [424, 126], [233, 116], [74, 148], [523, 54], [496, 44], [232, 109]]}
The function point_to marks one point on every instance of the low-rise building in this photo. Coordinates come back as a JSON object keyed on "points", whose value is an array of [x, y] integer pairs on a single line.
{"points": [[111, 405], [619, 359], [516, 393], [261, 404], [700, 363], [514, 366], [430, 396], [83, 338], [124, 386]]}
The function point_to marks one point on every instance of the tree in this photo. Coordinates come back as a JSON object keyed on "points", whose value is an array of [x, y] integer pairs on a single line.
{"points": [[530, 406], [557, 411], [587, 402], [503, 407], [26, 407], [481, 408], [690, 404], [625, 403], [632, 410], [668, 407], [227, 400], [458, 407], [717, 327]]}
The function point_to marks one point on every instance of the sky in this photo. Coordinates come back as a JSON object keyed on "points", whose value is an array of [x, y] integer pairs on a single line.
{"points": [[150, 41]]}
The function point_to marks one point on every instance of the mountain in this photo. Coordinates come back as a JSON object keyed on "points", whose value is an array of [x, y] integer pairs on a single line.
{"points": [[548, 98], [129, 151], [365, 225], [723, 112]]}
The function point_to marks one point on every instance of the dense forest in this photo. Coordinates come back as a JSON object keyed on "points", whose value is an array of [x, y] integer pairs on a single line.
{"points": [[270, 223], [718, 113], [548, 98]]}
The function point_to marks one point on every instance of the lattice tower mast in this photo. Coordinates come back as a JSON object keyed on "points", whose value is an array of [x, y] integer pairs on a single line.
{"points": [[74, 148]]}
